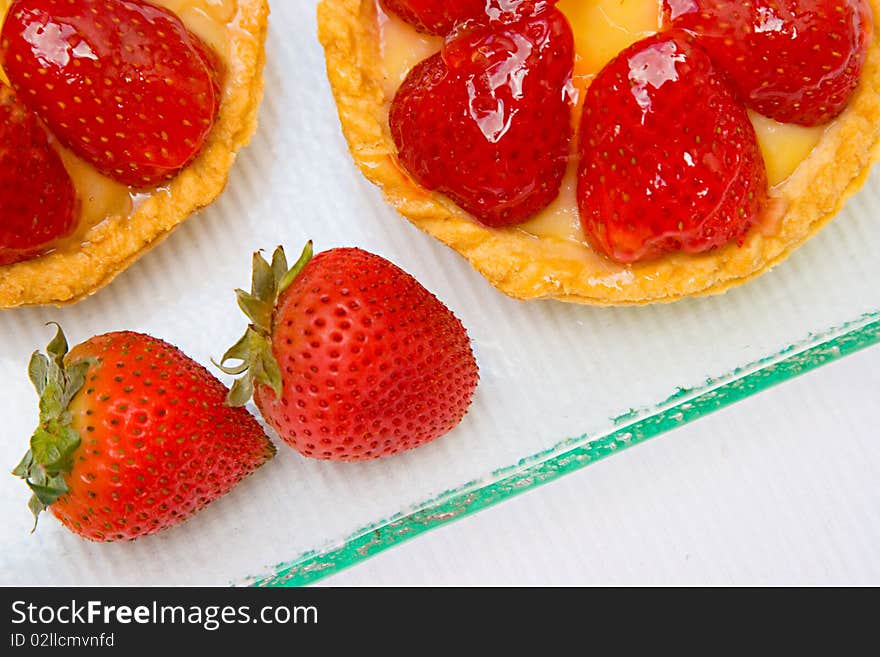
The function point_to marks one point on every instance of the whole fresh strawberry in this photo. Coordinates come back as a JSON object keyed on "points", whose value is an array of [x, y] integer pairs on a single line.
{"points": [[134, 437], [122, 83], [669, 158], [441, 16], [488, 121], [37, 198], [797, 61], [348, 357]]}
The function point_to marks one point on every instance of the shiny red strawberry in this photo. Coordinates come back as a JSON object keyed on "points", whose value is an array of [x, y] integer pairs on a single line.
{"points": [[440, 16], [122, 83], [134, 437], [37, 198], [488, 121], [349, 358], [669, 158], [797, 61]]}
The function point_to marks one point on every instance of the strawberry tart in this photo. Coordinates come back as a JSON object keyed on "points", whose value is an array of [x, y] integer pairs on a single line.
{"points": [[610, 152], [118, 120]]}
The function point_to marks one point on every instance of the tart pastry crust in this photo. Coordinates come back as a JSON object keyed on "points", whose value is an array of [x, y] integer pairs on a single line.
{"points": [[528, 267], [69, 275]]}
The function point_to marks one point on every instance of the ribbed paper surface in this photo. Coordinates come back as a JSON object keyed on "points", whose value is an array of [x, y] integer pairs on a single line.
{"points": [[549, 371]]}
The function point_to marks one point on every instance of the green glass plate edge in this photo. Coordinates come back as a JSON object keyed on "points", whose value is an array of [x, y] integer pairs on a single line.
{"points": [[633, 428]]}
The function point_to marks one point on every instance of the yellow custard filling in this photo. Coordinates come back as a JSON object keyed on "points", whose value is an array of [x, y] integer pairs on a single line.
{"points": [[602, 28], [100, 197]]}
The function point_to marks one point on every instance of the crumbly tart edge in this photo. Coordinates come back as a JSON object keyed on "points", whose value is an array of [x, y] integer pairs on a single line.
{"points": [[528, 267], [66, 277]]}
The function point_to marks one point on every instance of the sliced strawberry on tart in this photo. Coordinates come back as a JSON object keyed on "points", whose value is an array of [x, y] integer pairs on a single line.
{"points": [[440, 18], [142, 106], [669, 160], [487, 121], [706, 139], [36, 193]]}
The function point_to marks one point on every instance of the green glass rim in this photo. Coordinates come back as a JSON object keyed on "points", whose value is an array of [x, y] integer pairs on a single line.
{"points": [[633, 428]]}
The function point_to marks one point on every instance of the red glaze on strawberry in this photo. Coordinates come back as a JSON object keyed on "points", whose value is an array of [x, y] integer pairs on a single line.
{"points": [[441, 16], [122, 83], [349, 357], [487, 122], [797, 61], [37, 198], [669, 158]]}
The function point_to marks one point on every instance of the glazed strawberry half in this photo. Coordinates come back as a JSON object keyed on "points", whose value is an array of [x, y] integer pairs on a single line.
{"points": [[441, 16], [669, 158], [797, 61], [348, 357], [487, 121], [37, 199], [122, 83], [133, 438]]}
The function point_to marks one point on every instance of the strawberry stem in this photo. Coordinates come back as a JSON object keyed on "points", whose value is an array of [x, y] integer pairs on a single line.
{"points": [[257, 363], [54, 441]]}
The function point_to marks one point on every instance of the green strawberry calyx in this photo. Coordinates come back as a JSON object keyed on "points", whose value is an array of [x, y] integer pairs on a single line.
{"points": [[54, 441], [254, 350]]}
